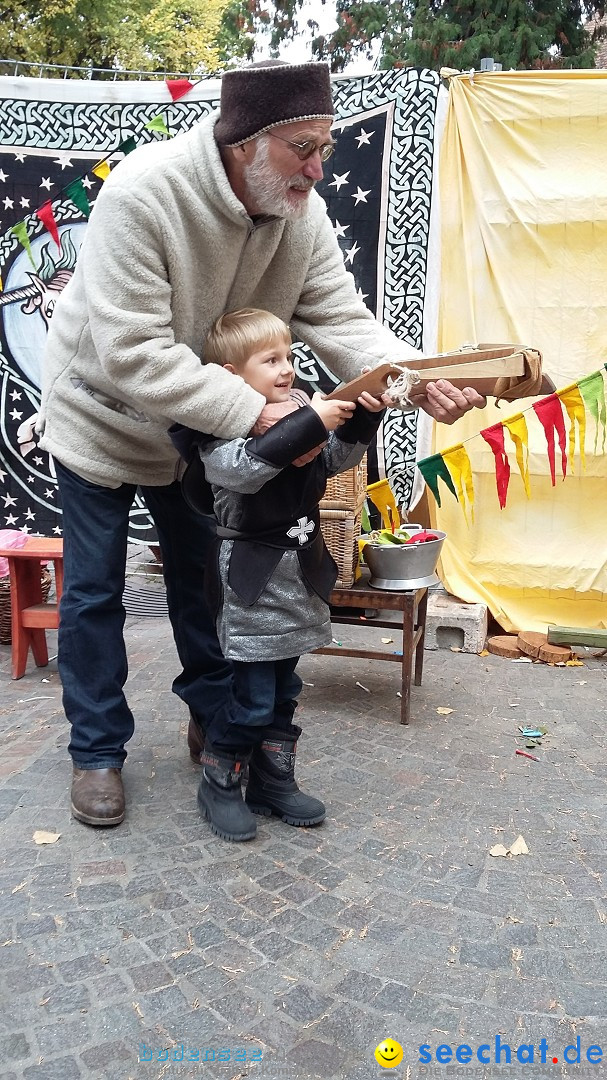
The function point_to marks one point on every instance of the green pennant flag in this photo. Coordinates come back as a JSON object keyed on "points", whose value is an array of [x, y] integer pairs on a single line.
{"points": [[76, 192], [20, 231], [592, 389], [434, 469], [157, 124], [128, 145]]}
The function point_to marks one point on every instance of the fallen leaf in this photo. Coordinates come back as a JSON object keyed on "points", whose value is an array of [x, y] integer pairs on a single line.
{"points": [[498, 849], [42, 837], [443, 711], [519, 847], [574, 663], [484, 652]]}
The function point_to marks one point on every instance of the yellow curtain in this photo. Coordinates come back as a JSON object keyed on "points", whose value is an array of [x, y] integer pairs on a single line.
{"points": [[523, 179]]}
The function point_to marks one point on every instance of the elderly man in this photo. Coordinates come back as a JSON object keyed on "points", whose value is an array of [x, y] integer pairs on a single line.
{"points": [[221, 217]]}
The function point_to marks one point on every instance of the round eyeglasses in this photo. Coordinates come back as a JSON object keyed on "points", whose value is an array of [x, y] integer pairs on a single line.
{"points": [[305, 149]]}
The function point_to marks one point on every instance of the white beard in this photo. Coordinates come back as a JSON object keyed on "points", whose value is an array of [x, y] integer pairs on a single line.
{"points": [[268, 191]]}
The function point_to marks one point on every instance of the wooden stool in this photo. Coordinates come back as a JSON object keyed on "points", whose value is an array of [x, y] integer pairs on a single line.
{"points": [[413, 607], [29, 616]]}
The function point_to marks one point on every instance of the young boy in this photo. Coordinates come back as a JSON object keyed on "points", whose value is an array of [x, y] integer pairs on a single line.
{"points": [[269, 579]]}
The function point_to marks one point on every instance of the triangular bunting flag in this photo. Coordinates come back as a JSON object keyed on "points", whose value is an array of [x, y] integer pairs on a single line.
{"points": [[592, 389], [550, 415], [517, 426], [157, 123], [434, 469], [102, 169], [494, 436], [20, 231], [76, 192], [128, 145], [572, 400], [45, 213], [178, 87], [458, 464]]}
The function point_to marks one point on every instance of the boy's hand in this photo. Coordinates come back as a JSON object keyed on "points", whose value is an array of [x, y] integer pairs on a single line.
{"points": [[333, 413], [370, 403]]}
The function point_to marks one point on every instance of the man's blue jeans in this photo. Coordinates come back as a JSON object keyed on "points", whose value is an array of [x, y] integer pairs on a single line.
{"points": [[92, 655]]}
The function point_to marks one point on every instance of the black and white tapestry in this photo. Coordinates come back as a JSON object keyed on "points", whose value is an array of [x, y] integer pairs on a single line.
{"points": [[378, 189]]}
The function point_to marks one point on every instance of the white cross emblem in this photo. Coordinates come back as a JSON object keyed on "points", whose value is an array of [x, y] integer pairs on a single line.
{"points": [[301, 530]]}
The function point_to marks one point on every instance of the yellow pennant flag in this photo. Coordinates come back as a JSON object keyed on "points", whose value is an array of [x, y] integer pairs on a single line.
{"points": [[574, 404], [517, 426], [101, 169], [458, 464]]}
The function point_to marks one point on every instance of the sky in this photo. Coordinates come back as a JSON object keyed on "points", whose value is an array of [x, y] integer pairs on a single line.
{"points": [[299, 50]]}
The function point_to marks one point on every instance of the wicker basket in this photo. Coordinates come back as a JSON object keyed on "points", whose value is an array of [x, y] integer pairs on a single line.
{"points": [[347, 490], [341, 529], [5, 603]]}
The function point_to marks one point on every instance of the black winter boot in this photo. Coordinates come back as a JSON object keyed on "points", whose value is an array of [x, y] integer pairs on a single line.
{"points": [[220, 796], [272, 788]]}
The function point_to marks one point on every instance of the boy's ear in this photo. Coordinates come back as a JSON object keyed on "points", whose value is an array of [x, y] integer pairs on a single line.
{"points": [[230, 367]]}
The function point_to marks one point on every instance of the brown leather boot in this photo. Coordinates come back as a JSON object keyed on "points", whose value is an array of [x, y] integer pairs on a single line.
{"points": [[98, 796]]}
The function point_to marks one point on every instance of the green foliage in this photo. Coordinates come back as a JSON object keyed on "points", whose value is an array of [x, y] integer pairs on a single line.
{"points": [[147, 35], [431, 33]]}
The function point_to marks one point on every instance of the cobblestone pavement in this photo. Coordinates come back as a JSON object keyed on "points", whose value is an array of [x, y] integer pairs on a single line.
{"points": [[306, 948]]}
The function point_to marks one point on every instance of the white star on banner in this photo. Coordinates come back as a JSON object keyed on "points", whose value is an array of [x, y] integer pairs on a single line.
{"points": [[8, 203], [2, 476], [340, 230], [57, 530], [38, 461], [25, 528], [29, 514], [351, 252], [3, 176], [47, 183], [361, 196], [10, 520], [15, 395], [363, 138], [25, 203], [20, 157], [16, 415], [49, 494], [87, 183], [361, 295], [31, 479], [339, 181], [64, 160], [8, 499]]}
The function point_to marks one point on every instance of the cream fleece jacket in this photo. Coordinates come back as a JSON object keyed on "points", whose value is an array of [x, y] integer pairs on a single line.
{"points": [[167, 250]]}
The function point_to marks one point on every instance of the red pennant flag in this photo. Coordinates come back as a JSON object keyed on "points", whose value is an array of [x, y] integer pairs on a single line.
{"points": [[550, 415], [178, 87], [45, 213], [494, 436]]}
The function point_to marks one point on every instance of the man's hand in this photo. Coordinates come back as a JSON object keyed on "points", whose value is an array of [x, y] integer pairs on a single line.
{"points": [[270, 414], [306, 458], [446, 403]]}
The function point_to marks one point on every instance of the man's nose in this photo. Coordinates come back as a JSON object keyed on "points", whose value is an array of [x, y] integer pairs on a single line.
{"points": [[312, 166]]}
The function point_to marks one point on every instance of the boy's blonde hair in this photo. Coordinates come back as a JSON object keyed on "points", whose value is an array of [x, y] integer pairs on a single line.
{"points": [[235, 336]]}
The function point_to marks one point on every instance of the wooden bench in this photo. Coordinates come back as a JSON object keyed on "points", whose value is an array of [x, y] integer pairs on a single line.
{"points": [[413, 606], [30, 617]]}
